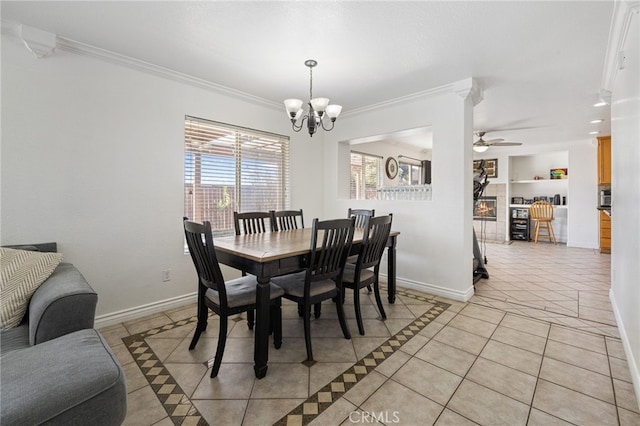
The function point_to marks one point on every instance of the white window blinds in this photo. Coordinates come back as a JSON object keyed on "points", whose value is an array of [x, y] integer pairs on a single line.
{"points": [[365, 176], [229, 168]]}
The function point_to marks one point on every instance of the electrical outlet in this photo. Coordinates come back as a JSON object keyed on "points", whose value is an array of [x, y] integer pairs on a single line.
{"points": [[166, 275]]}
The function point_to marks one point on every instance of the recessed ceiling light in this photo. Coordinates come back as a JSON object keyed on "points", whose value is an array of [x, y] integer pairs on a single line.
{"points": [[599, 104], [594, 133], [599, 120]]}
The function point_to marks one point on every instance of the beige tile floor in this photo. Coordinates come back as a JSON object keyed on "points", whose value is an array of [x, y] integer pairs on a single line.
{"points": [[537, 345]]}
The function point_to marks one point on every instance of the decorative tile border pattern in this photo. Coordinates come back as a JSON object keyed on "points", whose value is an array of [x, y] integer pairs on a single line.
{"points": [[181, 410], [175, 402], [304, 413]]}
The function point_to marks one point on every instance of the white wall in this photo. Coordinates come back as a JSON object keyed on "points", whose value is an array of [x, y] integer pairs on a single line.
{"points": [[435, 245], [625, 187], [92, 158]]}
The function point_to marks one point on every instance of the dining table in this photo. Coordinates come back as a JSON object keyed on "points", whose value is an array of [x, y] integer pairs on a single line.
{"points": [[271, 254]]}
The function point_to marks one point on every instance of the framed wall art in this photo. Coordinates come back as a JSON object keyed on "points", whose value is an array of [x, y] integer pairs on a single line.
{"points": [[391, 167], [490, 166]]}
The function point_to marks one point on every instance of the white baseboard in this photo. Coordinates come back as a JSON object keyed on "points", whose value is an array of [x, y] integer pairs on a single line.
{"points": [[144, 310], [633, 366], [462, 296]]}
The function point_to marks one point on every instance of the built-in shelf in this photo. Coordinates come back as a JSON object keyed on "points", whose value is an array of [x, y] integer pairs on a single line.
{"points": [[526, 206], [539, 180]]}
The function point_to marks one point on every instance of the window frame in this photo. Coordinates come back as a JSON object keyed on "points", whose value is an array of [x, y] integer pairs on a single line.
{"points": [[413, 169], [365, 191], [258, 160]]}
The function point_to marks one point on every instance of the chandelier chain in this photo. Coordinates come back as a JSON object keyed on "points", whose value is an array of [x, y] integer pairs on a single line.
{"points": [[310, 83]]}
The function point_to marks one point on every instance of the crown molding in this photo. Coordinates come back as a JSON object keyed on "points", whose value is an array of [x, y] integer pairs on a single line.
{"points": [[624, 11], [469, 88], [64, 44], [462, 88], [149, 68]]}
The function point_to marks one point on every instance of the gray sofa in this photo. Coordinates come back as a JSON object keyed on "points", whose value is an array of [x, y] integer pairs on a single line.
{"points": [[55, 368]]}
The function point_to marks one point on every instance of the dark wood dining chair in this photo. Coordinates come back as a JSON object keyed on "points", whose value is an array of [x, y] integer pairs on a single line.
{"points": [[322, 279], [361, 216], [285, 220], [252, 222], [224, 298], [359, 275]]}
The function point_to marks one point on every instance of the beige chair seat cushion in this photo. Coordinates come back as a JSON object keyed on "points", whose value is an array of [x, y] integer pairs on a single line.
{"points": [[293, 284], [350, 272], [241, 292]]}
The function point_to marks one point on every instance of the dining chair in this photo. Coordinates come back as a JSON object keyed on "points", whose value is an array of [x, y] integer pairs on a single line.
{"points": [[359, 275], [541, 213], [224, 298], [322, 279], [361, 215], [252, 222], [285, 220]]}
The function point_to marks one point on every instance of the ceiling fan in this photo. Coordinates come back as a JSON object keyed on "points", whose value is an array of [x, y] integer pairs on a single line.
{"points": [[482, 145]]}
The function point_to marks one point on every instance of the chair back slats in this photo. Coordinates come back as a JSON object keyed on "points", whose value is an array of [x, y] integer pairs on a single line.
{"points": [[541, 210], [285, 220], [203, 254], [328, 257], [376, 234], [361, 215], [251, 222]]}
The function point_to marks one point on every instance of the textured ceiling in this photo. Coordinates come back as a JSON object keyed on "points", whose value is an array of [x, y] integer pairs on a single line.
{"points": [[540, 62]]}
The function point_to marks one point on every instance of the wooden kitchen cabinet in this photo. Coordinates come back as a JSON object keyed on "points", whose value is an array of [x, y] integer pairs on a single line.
{"points": [[604, 160], [605, 233]]}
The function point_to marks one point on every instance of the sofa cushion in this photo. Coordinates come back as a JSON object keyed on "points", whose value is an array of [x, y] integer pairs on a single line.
{"points": [[14, 339], [72, 380], [22, 273]]}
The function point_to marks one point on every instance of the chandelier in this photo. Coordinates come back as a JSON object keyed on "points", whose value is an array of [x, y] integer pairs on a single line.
{"points": [[319, 108]]}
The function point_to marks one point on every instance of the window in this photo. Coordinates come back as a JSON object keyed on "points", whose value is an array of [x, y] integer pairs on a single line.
{"points": [[409, 173], [365, 176], [229, 168]]}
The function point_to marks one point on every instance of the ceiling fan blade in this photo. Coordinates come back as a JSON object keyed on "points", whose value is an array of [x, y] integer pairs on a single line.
{"points": [[505, 143], [494, 140]]}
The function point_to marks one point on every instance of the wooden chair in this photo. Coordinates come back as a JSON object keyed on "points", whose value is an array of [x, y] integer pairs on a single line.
{"points": [[223, 298], [285, 220], [322, 279], [541, 213], [252, 222], [361, 215], [358, 276]]}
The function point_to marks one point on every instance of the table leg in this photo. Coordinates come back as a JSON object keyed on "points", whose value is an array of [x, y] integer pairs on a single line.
{"points": [[391, 272], [261, 328]]}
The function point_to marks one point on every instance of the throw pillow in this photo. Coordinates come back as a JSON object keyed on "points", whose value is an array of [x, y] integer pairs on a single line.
{"points": [[21, 274]]}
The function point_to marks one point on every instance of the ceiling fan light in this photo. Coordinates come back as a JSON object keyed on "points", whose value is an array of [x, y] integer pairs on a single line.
{"points": [[480, 148]]}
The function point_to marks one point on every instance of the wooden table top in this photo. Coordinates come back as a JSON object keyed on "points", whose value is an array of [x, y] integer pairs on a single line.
{"points": [[269, 246]]}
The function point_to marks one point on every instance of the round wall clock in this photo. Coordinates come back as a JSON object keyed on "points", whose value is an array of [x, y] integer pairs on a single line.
{"points": [[391, 167]]}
